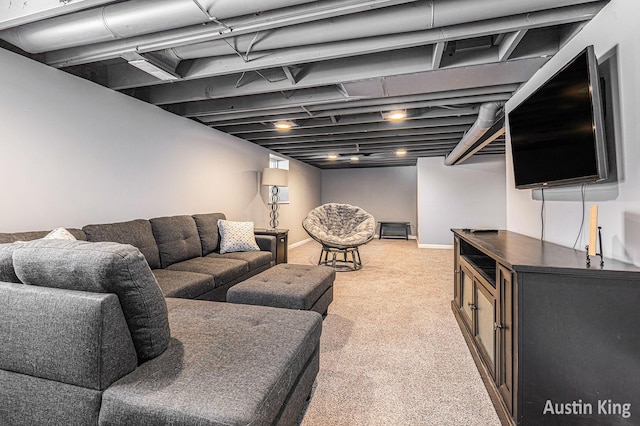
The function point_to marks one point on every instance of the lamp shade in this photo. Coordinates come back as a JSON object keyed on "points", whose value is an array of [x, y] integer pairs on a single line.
{"points": [[275, 177]]}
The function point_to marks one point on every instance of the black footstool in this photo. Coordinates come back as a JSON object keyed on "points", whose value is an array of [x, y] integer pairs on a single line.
{"points": [[303, 287]]}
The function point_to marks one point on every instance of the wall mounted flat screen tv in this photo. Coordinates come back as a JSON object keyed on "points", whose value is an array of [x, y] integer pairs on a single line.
{"points": [[557, 133]]}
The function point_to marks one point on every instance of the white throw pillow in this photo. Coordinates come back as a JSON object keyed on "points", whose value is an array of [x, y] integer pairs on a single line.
{"points": [[236, 236], [59, 234]]}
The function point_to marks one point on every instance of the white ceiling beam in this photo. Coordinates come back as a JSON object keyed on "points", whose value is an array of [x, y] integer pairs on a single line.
{"points": [[326, 110], [357, 129], [347, 70], [258, 128], [374, 142], [269, 101]]}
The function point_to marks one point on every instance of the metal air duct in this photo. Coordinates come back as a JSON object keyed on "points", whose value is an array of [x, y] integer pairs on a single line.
{"points": [[129, 19], [486, 118]]}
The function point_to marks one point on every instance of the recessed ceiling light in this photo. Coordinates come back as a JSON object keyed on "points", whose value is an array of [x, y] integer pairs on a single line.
{"points": [[401, 152], [332, 156], [284, 125], [396, 115], [355, 158]]}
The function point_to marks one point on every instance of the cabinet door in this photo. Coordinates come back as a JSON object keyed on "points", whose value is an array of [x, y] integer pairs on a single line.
{"points": [[485, 316], [504, 328], [467, 304]]}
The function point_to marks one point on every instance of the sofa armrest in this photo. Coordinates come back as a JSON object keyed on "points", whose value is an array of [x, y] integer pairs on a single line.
{"points": [[267, 243], [74, 337]]}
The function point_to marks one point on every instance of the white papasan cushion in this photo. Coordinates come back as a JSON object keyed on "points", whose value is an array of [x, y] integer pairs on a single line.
{"points": [[340, 225], [236, 236]]}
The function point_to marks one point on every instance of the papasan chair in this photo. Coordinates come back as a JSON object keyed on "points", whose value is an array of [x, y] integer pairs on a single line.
{"points": [[341, 229]]}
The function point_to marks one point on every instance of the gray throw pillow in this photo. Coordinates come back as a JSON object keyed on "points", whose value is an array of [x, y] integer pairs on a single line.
{"points": [[236, 236], [102, 268]]}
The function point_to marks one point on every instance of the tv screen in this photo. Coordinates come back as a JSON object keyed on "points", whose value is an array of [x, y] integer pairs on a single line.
{"points": [[557, 135]]}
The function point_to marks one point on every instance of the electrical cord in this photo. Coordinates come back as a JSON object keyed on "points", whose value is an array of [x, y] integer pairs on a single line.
{"points": [[582, 191], [542, 216]]}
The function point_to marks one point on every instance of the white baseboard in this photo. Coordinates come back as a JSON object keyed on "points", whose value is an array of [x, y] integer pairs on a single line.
{"points": [[436, 246], [299, 243]]}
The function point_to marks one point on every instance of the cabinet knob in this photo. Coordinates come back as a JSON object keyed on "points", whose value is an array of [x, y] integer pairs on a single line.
{"points": [[472, 306], [497, 326]]}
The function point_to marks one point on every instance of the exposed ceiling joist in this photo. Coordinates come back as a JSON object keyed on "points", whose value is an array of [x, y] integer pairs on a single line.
{"points": [[334, 69]]}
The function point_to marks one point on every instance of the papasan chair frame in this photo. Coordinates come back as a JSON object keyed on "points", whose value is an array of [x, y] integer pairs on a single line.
{"points": [[341, 229]]}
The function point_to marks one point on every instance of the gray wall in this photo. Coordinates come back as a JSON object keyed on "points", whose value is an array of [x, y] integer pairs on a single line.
{"points": [[388, 193], [615, 36], [75, 153], [470, 195]]}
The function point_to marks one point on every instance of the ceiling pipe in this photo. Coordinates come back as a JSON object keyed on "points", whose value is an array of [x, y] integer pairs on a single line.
{"points": [[405, 18], [20, 13], [128, 19], [486, 117], [143, 17]]}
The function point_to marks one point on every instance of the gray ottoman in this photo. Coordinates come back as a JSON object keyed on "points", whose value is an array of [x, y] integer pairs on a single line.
{"points": [[303, 287]]}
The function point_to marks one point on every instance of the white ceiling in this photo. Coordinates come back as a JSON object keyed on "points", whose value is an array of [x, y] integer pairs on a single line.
{"points": [[335, 68]]}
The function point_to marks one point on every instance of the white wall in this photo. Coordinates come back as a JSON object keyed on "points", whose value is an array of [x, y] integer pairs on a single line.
{"points": [[75, 153], [614, 31], [388, 193], [469, 195]]}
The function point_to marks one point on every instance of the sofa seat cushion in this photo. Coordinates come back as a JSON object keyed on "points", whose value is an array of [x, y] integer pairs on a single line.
{"points": [[225, 365], [255, 259], [136, 232], [177, 238], [222, 270], [187, 285], [102, 268]]}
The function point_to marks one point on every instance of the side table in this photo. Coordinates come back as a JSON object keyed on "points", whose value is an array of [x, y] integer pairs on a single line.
{"points": [[282, 242]]}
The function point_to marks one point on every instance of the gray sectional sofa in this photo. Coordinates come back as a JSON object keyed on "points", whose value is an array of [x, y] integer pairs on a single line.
{"points": [[89, 335], [182, 251]]}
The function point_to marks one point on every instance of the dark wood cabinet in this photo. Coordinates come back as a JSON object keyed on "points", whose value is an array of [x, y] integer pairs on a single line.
{"points": [[282, 242], [556, 341]]}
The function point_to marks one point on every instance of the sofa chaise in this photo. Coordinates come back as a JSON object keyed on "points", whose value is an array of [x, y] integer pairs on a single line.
{"points": [[88, 337]]}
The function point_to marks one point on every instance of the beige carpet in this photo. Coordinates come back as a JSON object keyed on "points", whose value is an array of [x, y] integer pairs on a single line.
{"points": [[391, 350]]}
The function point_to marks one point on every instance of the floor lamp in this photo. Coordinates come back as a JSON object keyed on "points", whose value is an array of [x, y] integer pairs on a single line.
{"points": [[274, 178]]}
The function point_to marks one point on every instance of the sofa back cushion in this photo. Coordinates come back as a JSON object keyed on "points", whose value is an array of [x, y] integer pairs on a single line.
{"points": [[7, 273], [102, 267], [177, 239], [76, 337], [207, 225], [10, 237], [136, 232]]}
